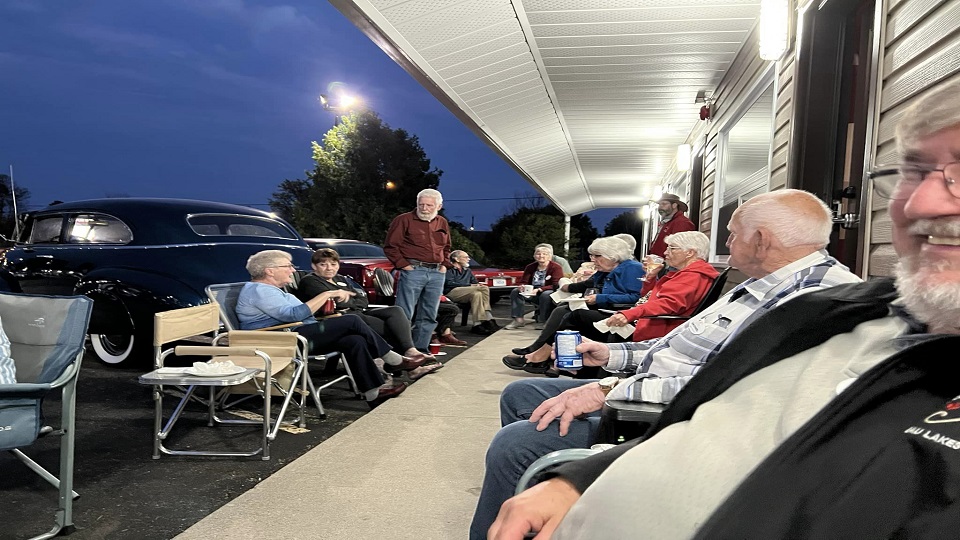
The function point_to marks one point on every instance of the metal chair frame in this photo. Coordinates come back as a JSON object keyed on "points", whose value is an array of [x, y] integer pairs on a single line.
{"points": [[26, 317], [224, 296]]}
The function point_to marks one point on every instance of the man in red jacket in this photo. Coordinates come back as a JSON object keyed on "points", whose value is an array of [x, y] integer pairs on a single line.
{"points": [[672, 220]]}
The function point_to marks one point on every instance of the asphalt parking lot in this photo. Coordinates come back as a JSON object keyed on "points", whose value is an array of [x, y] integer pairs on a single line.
{"points": [[124, 493]]}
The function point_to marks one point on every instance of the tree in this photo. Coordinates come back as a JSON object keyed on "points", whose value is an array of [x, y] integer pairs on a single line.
{"points": [[458, 240], [627, 222], [366, 174], [8, 217], [533, 222]]}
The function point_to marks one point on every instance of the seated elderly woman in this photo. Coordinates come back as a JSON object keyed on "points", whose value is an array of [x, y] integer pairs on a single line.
{"points": [[390, 322], [679, 292], [618, 280], [543, 275], [262, 303]]}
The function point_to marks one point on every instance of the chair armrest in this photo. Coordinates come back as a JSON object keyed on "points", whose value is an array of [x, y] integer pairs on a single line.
{"points": [[551, 459], [23, 390], [281, 326], [201, 350], [633, 411], [621, 307], [376, 306]]}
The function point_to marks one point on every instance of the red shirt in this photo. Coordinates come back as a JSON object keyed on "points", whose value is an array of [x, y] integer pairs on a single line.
{"points": [[678, 223], [409, 237]]}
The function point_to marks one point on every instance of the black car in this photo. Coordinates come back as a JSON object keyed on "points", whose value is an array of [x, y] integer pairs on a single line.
{"points": [[137, 257], [348, 249]]}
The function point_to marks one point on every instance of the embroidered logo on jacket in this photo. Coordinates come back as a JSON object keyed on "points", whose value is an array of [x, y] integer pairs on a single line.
{"points": [[949, 415]]}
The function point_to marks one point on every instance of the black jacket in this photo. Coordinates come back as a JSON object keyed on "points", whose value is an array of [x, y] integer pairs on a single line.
{"points": [[882, 460]]}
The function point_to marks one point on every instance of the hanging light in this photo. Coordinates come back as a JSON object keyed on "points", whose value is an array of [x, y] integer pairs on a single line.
{"points": [[683, 157], [774, 21]]}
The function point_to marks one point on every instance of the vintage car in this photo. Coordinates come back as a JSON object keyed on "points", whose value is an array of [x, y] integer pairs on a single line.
{"points": [[347, 249], [137, 257], [362, 260]]}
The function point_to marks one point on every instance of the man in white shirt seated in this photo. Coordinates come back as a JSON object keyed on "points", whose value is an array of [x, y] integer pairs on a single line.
{"points": [[836, 415], [776, 239]]}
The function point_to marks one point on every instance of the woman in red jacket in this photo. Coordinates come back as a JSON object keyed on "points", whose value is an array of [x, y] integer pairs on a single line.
{"points": [[679, 292]]}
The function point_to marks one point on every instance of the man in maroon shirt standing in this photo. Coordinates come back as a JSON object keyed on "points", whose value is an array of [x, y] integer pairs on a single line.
{"points": [[418, 243], [672, 220]]}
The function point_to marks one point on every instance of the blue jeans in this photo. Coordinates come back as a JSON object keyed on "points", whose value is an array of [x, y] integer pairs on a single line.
{"points": [[418, 294], [518, 444]]}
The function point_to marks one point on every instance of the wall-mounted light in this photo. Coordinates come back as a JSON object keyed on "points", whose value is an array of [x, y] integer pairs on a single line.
{"points": [[774, 21], [683, 157]]}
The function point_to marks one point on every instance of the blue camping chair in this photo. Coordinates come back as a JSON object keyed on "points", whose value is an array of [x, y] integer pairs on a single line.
{"points": [[46, 342]]}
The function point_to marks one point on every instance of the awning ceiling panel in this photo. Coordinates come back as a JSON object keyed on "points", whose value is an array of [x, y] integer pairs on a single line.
{"points": [[588, 99]]}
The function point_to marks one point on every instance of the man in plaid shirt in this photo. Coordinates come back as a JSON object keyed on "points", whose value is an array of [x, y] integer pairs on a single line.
{"points": [[776, 239]]}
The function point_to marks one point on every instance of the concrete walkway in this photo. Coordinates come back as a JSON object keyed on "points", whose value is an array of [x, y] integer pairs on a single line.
{"points": [[411, 469]]}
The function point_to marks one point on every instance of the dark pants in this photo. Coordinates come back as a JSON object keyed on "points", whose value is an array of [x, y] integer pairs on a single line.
{"points": [[351, 336], [446, 316], [392, 324]]}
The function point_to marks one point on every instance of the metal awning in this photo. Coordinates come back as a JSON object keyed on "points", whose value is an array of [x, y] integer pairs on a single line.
{"points": [[587, 99]]}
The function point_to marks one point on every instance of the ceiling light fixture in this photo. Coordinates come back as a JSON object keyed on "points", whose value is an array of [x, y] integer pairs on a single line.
{"points": [[774, 21], [684, 152]]}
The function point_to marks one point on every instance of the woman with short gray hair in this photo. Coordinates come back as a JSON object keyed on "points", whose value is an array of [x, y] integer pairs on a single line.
{"points": [[262, 303]]}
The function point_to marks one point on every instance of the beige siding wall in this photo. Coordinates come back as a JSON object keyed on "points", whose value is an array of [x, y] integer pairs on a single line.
{"points": [[728, 98], [921, 50]]}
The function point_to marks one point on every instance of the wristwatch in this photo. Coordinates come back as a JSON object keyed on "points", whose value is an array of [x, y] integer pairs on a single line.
{"points": [[608, 383]]}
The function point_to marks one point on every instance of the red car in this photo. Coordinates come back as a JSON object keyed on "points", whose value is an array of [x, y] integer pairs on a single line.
{"points": [[360, 260]]}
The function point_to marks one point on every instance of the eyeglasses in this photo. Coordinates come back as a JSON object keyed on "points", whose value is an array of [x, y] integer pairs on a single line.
{"points": [[671, 248], [898, 182], [284, 266]]}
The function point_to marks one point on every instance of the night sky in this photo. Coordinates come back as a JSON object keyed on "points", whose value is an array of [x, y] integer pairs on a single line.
{"points": [[209, 100]]}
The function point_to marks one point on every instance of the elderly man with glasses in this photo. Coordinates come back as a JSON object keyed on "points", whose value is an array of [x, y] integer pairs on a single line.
{"points": [[777, 239], [461, 285], [836, 415]]}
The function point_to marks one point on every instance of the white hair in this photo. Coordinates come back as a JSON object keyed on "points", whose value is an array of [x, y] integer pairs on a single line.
{"points": [[432, 194], [935, 111], [793, 216], [258, 263], [546, 248], [612, 248], [629, 239], [694, 240]]}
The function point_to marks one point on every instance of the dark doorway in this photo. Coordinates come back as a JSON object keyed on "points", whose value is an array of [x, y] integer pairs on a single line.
{"points": [[832, 112]]}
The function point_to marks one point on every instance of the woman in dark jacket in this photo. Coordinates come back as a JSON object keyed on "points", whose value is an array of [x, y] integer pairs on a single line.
{"points": [[389, 322], [543, 275]]}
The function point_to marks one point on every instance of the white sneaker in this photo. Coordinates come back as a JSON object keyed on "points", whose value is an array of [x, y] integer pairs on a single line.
{"points": [[514, 325]]}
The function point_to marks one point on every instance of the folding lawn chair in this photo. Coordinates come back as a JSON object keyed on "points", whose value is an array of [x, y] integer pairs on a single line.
{"points": [[46, 342], [225, 295]]}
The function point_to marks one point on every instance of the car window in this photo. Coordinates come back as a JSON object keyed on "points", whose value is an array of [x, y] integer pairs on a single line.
{"points": [[46, 230], [237, 225], [97, 229], [359, 251]]}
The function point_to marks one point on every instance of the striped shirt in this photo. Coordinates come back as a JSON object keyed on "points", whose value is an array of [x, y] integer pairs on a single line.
{"points": [[663, 366]]}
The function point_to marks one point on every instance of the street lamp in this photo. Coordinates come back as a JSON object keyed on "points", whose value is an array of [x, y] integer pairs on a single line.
{"points": [[338, 104]]}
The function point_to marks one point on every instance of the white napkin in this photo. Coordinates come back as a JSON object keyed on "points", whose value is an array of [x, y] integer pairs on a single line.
{"points": [[622, 331], [214, 368], [560, 296], [577, 303], [173, 370]]}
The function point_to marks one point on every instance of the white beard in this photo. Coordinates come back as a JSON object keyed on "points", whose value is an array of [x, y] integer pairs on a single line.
{"points": [[935, 304], [427, 217]]}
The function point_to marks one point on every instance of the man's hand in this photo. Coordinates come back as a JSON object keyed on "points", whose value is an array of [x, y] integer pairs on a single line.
{"points": [[540, 508], [617, 320], [591, 300], [407, 268], [567, 406], [594, 353]]}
